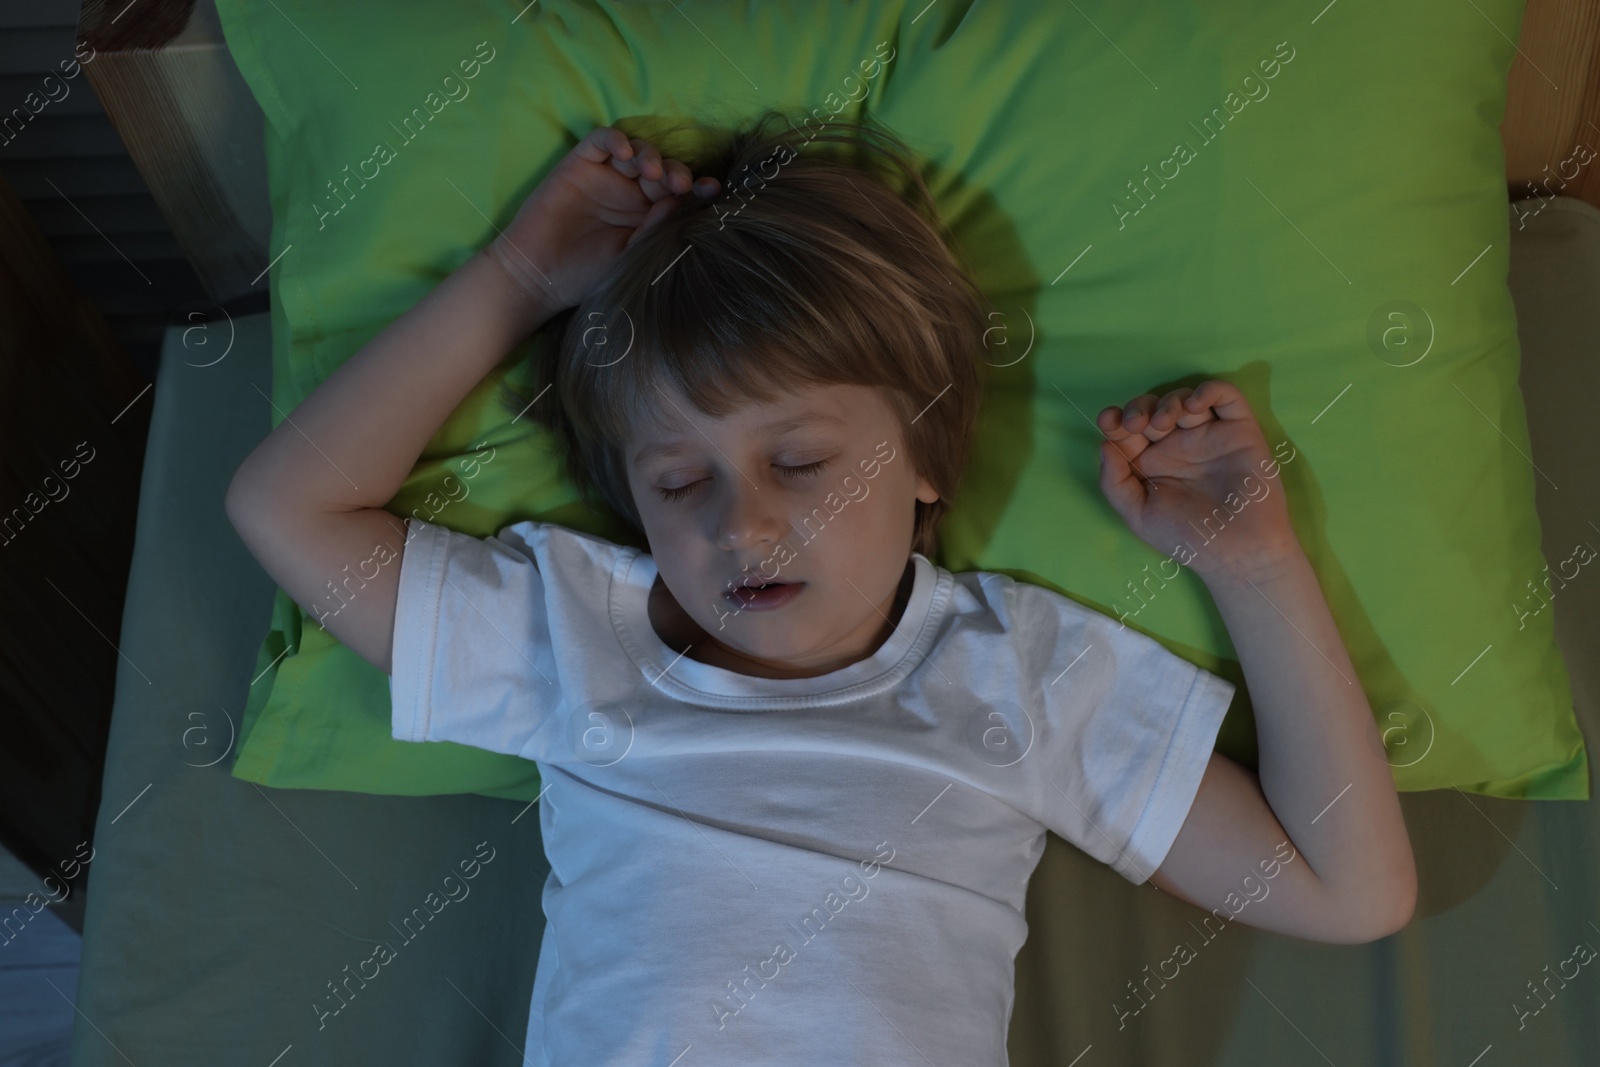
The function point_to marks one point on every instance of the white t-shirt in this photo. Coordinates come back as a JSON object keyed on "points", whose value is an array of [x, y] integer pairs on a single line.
{"points": [[799, 870]]}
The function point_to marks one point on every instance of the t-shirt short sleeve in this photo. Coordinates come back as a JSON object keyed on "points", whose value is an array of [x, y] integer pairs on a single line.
{"points": [[1127, 728], [472, 657]]}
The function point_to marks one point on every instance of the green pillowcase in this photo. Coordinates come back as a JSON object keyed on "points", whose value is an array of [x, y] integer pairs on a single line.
{"points": [[1309, 204]]}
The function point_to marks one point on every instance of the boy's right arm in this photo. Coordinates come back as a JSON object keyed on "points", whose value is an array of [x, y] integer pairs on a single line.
{"points": [[309, 554], [309, 502]]}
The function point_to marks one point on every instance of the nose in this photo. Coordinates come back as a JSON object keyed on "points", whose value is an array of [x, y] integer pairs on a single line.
{"points": [[750, 517]]}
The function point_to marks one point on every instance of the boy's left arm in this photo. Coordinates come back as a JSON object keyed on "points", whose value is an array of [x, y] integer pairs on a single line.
{"points": [[1315, 846], [1324, 784]]}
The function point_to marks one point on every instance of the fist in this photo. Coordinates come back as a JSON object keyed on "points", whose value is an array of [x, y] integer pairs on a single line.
{"points": [[593, 205], [1191, 475]]}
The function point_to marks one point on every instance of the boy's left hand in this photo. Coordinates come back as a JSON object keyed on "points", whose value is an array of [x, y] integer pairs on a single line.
{"points": [[603, 196], [1199, 454]]}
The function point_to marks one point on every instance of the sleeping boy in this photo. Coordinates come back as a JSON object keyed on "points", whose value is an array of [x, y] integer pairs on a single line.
{"points": [[796, 774]]}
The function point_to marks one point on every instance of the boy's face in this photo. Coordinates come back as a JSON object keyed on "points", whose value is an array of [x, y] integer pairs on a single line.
{"points": [[752, 506]]}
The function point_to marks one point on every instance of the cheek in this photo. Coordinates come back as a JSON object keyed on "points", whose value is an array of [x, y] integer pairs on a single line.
{"points": [[663, 532], [871, 519]]}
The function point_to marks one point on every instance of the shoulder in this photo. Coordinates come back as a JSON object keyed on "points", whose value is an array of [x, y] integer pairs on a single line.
{"points": [[548, 552], [1012, 603], [1042, 627], [551, 541]]}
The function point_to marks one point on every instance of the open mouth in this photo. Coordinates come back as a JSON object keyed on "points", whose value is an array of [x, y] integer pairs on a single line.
{"points": [[765, 595]]}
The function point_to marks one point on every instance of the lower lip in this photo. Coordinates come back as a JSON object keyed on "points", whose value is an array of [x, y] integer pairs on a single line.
{"points": [[765, 599]]}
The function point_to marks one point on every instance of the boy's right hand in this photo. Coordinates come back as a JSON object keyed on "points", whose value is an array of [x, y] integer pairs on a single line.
{"points": [[603, 195]]}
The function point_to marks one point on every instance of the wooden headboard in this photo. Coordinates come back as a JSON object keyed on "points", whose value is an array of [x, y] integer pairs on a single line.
{"points": [[1551, 129], [169, 85]]}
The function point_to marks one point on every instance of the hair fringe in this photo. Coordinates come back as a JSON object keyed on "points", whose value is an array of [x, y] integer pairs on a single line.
{"points": [[823, 261]]}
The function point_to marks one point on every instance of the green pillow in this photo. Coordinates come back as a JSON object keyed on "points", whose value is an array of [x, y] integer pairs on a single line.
{"points": [[1309, 204]]}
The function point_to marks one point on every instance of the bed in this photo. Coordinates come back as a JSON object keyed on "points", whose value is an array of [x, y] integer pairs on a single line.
{"points": [[218, 943], [226, 921]]}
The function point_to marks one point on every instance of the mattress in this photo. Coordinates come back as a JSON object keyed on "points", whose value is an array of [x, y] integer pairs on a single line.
{"points": [[228, 923]]}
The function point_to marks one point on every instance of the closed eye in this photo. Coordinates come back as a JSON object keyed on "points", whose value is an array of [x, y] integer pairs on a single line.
{"points": [[804, 469], [801, 471], [680, 492]]}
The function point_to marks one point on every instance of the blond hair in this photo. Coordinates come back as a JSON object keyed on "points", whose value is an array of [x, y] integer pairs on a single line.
{"points": [[821, 262]]}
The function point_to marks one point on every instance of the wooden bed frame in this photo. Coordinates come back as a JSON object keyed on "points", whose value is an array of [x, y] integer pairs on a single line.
{"points": [[1552, 118], [169, 85]]}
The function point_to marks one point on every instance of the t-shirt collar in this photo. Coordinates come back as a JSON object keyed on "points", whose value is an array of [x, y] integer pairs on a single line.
{"points": [[694, 682]]}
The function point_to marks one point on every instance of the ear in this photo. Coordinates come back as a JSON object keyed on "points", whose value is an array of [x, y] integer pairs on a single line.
{"points": [[926, 492]]}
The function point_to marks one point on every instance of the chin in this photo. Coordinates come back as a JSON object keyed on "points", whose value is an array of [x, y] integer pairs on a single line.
{"points": [[776, 645]]}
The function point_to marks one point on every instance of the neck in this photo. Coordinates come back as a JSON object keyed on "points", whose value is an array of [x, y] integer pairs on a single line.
{"points": [[677, 629]]}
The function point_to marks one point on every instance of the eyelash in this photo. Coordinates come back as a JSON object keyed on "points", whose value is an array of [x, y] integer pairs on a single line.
{"points": [[790, 472]]}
